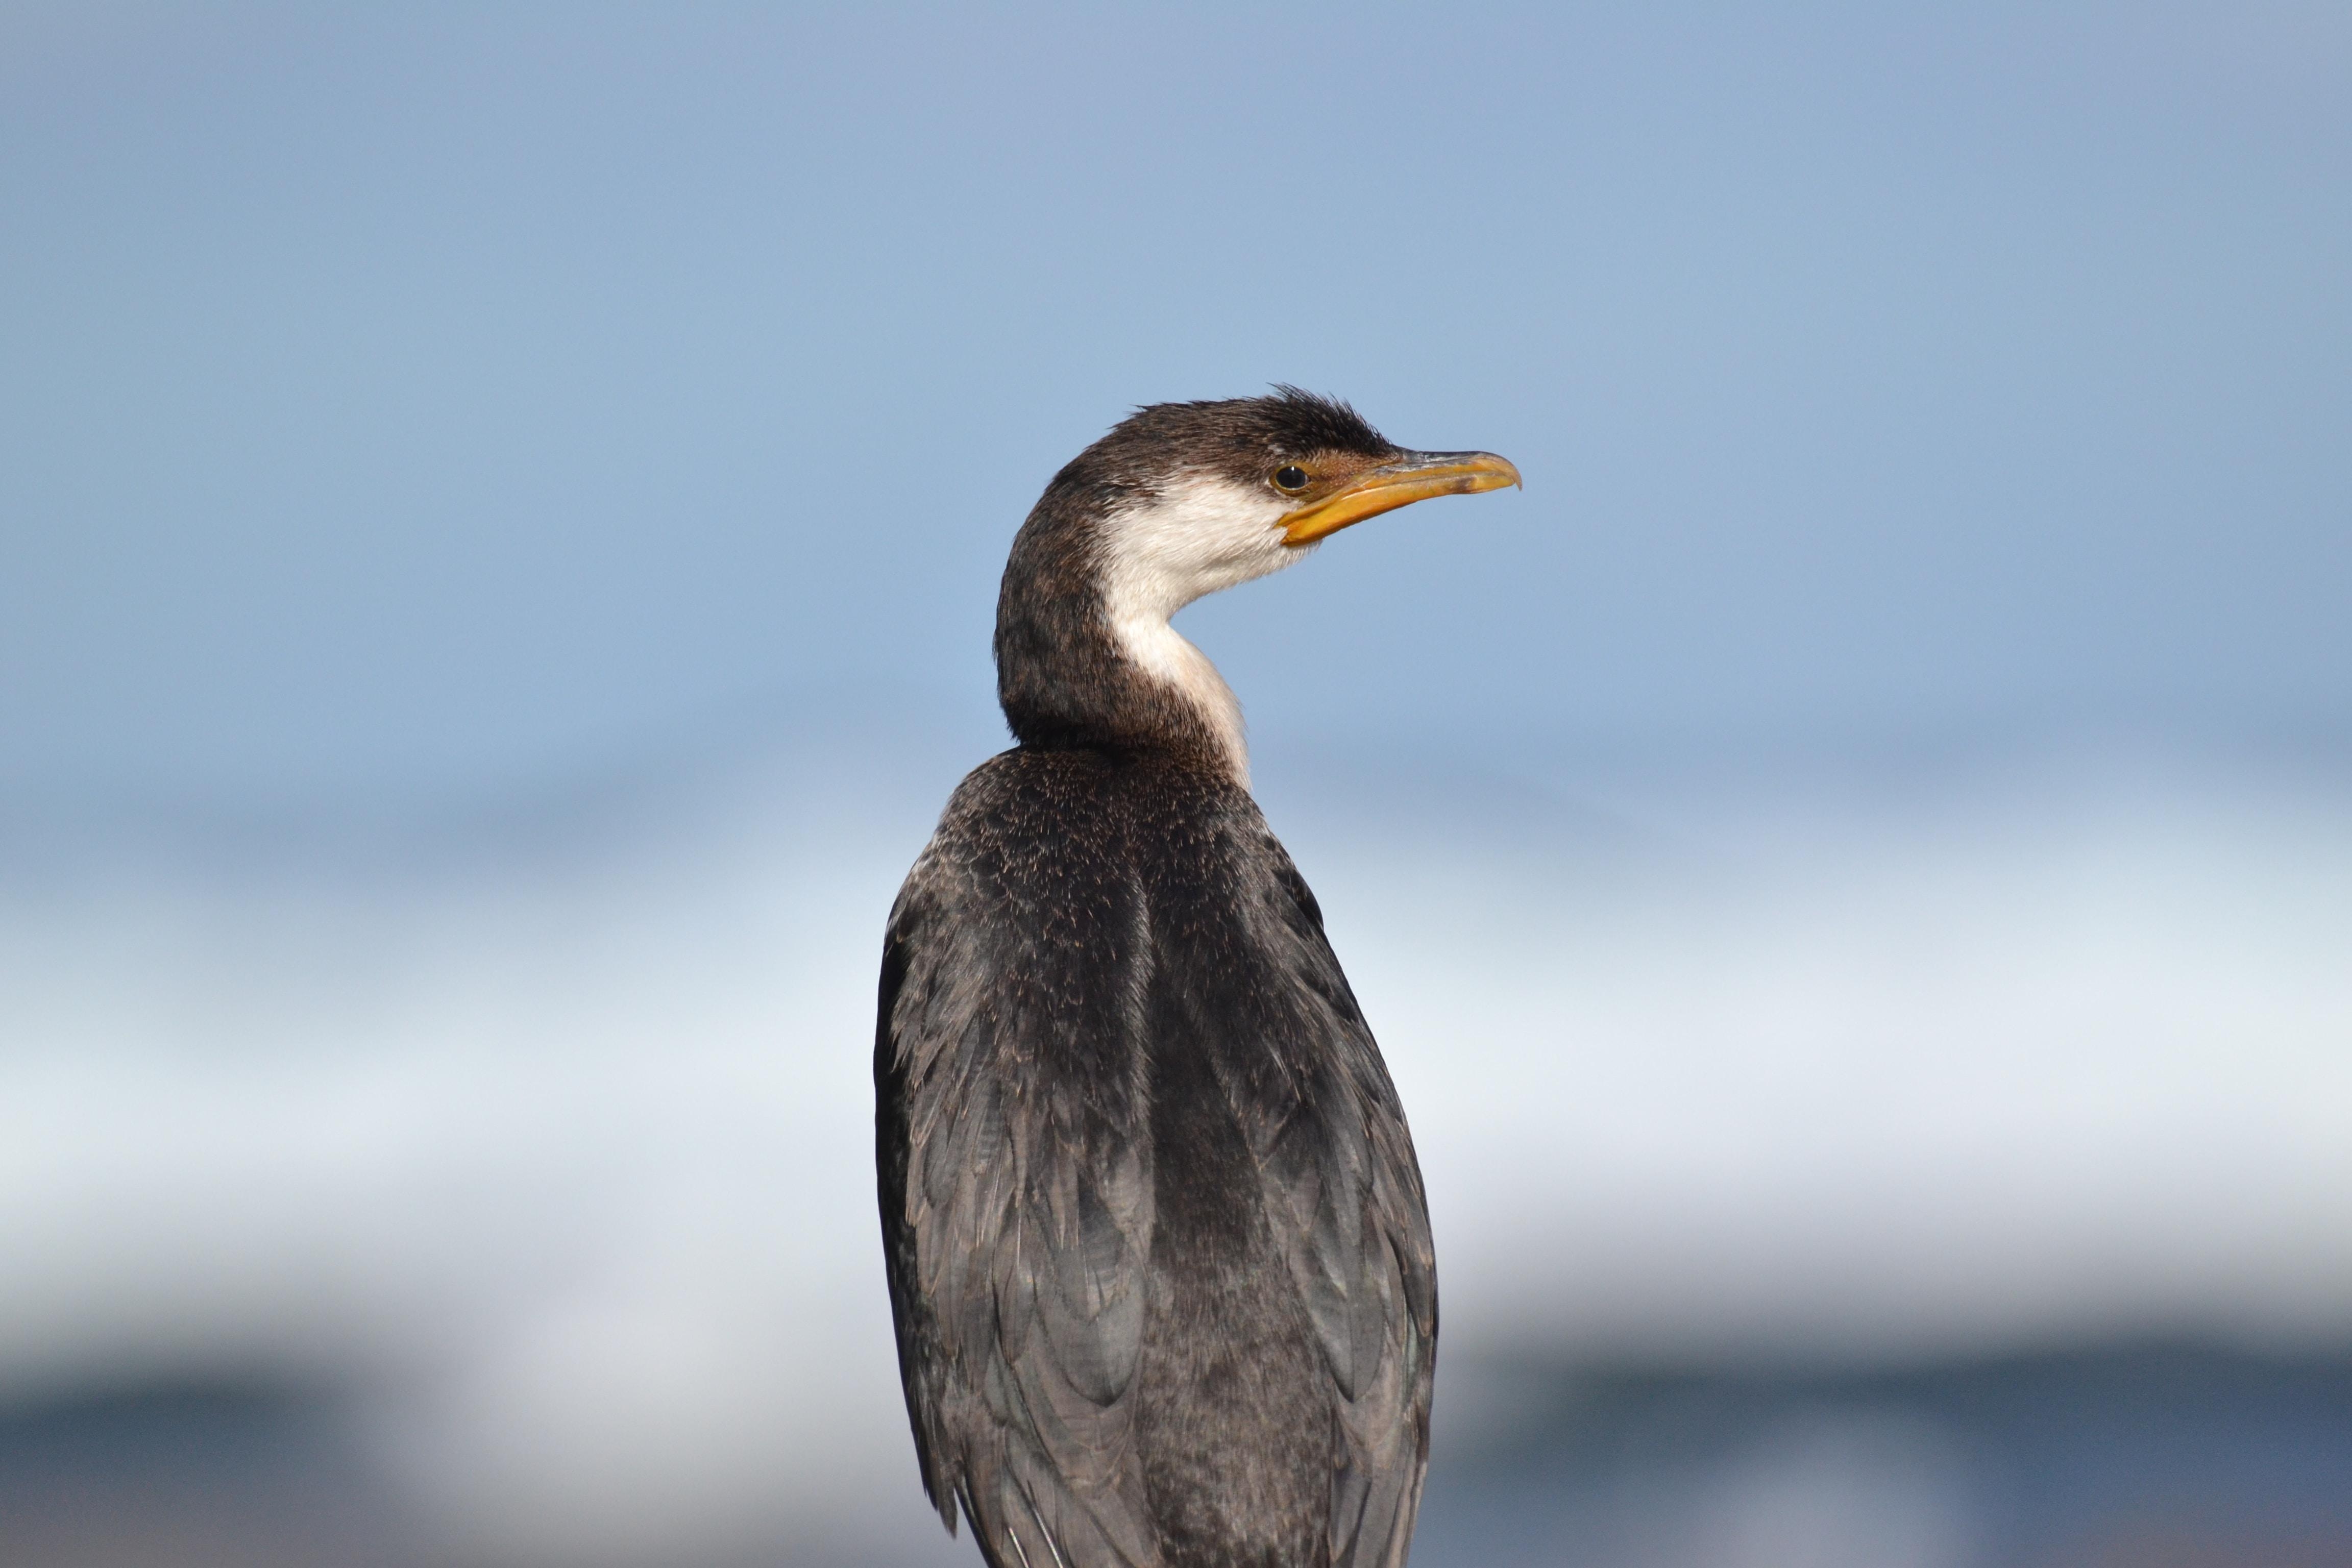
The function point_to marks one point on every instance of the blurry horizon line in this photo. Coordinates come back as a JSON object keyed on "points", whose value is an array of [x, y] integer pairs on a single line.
{"points": [[894, 748]]}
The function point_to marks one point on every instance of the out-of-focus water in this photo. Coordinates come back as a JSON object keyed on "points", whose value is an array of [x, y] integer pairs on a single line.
{"points": [[2130, 1454], [518, 1192]]}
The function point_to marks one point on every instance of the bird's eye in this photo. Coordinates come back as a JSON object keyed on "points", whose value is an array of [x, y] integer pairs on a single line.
{"points": [[1290, 478]]}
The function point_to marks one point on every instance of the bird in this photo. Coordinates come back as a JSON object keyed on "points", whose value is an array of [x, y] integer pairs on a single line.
{"points": [[1158, 1249]]}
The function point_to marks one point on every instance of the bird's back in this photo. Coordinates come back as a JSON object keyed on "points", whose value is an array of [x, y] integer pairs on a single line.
{"points": [[1157, 1244]]}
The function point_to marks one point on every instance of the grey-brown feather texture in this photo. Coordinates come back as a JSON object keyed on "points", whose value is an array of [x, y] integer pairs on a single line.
{"points": [[1158, 1250]]}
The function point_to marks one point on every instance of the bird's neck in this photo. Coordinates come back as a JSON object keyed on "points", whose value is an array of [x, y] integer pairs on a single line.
{"points": [[1167, 659], [1085, 660]]}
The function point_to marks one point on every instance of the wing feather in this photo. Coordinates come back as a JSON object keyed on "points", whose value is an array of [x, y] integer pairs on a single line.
{"points": [[1341, 1172], [1018, 1196], [1017, 1235]]}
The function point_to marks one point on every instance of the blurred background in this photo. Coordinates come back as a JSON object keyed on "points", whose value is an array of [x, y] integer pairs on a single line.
{"points": [[499, 516]]}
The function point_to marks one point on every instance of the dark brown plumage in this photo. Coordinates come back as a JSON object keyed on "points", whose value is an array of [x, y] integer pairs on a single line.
{"points": [[1157, 1246]]}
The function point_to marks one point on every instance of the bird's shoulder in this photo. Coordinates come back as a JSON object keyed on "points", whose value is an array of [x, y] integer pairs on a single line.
{"points": [[1033, 823]]}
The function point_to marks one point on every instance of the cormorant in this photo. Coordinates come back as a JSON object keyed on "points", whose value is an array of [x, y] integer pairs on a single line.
{"points": [[1158, 1251]]}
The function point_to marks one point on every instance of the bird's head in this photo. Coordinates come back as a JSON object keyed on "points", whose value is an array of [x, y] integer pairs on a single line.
{"points": [[1189, 497], [1178, 501]]}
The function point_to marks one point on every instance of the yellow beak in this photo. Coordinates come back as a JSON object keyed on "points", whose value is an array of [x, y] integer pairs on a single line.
{"points": [[1403, 481]]}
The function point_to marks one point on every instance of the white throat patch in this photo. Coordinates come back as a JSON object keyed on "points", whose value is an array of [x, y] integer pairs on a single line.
{"points": [[1200, 533]]}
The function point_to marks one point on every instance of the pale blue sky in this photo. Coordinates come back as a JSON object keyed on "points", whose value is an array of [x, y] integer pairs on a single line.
{"points": [[449, 401]]}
